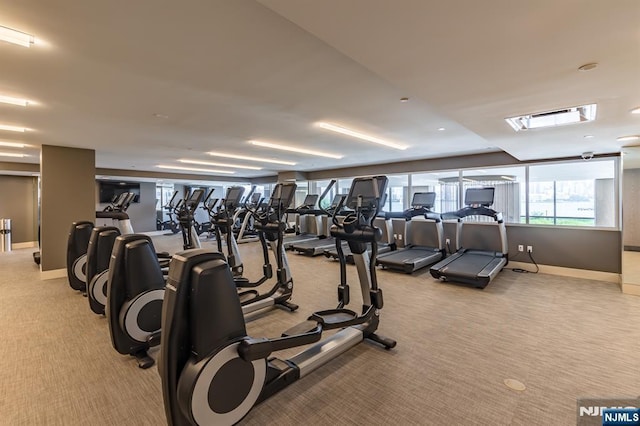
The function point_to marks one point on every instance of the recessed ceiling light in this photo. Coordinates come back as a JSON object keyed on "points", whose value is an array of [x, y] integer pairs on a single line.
{"points": [[16, 37], [163, 116], [441, 129], [405, 99], [561, 117], [628, 138], [294, 149], [635, 110], [588, 67], [12, 144], [247, 158], [588, 136], [195, 169], [208, 163], [12, 154], [353, 133], [14, 101], [12, 128]]}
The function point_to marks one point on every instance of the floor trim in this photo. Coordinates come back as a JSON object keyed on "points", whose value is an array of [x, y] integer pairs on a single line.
{"points": [[24, 245], [569, 272], [631, 289], [52, 274]]}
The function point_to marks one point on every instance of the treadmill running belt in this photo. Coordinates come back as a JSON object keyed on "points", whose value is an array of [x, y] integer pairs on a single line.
{"points": [[468, 266]]}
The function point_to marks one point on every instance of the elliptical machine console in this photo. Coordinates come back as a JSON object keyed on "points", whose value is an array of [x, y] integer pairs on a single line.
{"points": [[212, 372]]}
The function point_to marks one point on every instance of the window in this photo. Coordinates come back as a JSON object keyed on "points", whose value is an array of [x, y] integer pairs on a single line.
{"points": [[444, 184], [509, 183], [164, 192], [573, 194], [301, 192], [397, 193], [569, 193], [343, 186], [318, 187]]}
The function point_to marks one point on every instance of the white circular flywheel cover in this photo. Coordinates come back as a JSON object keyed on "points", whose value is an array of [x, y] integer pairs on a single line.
{"points": [[200, 409], [79, 268], [99, 289], [131, 316]]}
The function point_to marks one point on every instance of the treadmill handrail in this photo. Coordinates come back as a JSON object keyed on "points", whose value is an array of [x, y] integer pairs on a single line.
{"points": [[475, 211]]}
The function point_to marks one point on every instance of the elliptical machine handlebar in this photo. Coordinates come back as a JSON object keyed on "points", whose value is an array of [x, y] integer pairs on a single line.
{"points": [[324, 195], [246, 200]]}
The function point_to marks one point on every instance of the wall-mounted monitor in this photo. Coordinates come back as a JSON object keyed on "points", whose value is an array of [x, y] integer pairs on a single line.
{"points": [[109, 190]]}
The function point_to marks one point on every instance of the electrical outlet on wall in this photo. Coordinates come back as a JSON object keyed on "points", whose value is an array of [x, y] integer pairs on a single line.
{"points": [[529, 249], [520, 247]]}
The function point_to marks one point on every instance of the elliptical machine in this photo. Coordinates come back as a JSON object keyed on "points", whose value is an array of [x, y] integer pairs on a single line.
{"points": [[223, 221], [80, 234], [212, 372], [270, 232], [101, 245], [135, 288], [270, 227]]}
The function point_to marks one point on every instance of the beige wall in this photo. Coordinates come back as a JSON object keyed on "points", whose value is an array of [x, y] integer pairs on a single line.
{"points": [[631, 207], [67, 195], [19, 202]]}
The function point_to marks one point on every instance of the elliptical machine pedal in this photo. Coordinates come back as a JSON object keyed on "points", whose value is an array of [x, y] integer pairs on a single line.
{"points": [[144, 360]]}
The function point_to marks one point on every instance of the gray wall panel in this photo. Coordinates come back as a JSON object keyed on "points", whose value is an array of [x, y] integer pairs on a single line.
{"points": [[592, 249], [19, 202], [630, 207], [68, 186]]}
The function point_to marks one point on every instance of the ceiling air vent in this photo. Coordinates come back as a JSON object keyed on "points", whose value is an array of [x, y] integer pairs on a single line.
{"points": [[561, 117]]}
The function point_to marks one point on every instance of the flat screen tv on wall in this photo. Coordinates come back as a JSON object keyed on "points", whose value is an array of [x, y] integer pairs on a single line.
{"points": [[111, 189]]}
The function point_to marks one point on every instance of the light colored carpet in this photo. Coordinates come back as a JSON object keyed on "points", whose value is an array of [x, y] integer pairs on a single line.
{"points": [[564, 338]]}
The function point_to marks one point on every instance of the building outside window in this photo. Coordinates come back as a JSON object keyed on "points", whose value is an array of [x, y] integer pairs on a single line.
{"points": [[444, 183], [397, 193], [573, 194], [509, 184]]}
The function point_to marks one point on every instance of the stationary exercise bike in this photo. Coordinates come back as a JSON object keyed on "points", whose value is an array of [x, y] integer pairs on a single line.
{"points": [[212, 372]]}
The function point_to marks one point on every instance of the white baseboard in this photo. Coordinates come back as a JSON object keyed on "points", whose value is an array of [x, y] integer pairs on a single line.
{"points": [[570, 272], [52, 274], [26, 244]]}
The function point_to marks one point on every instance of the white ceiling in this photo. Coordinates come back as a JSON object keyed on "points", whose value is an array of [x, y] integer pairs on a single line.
{"points": [[225, 72]]}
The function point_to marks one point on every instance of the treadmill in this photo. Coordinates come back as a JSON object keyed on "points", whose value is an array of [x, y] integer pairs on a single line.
{"points": [[306, 225], [310, 220], [318, 246], [486, 254], [424, 236], [386, 244]]}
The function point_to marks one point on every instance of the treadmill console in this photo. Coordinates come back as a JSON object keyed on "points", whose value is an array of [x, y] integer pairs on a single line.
{"points": [[425, 200], [310, 200], [479, 196], [336, 200]]}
